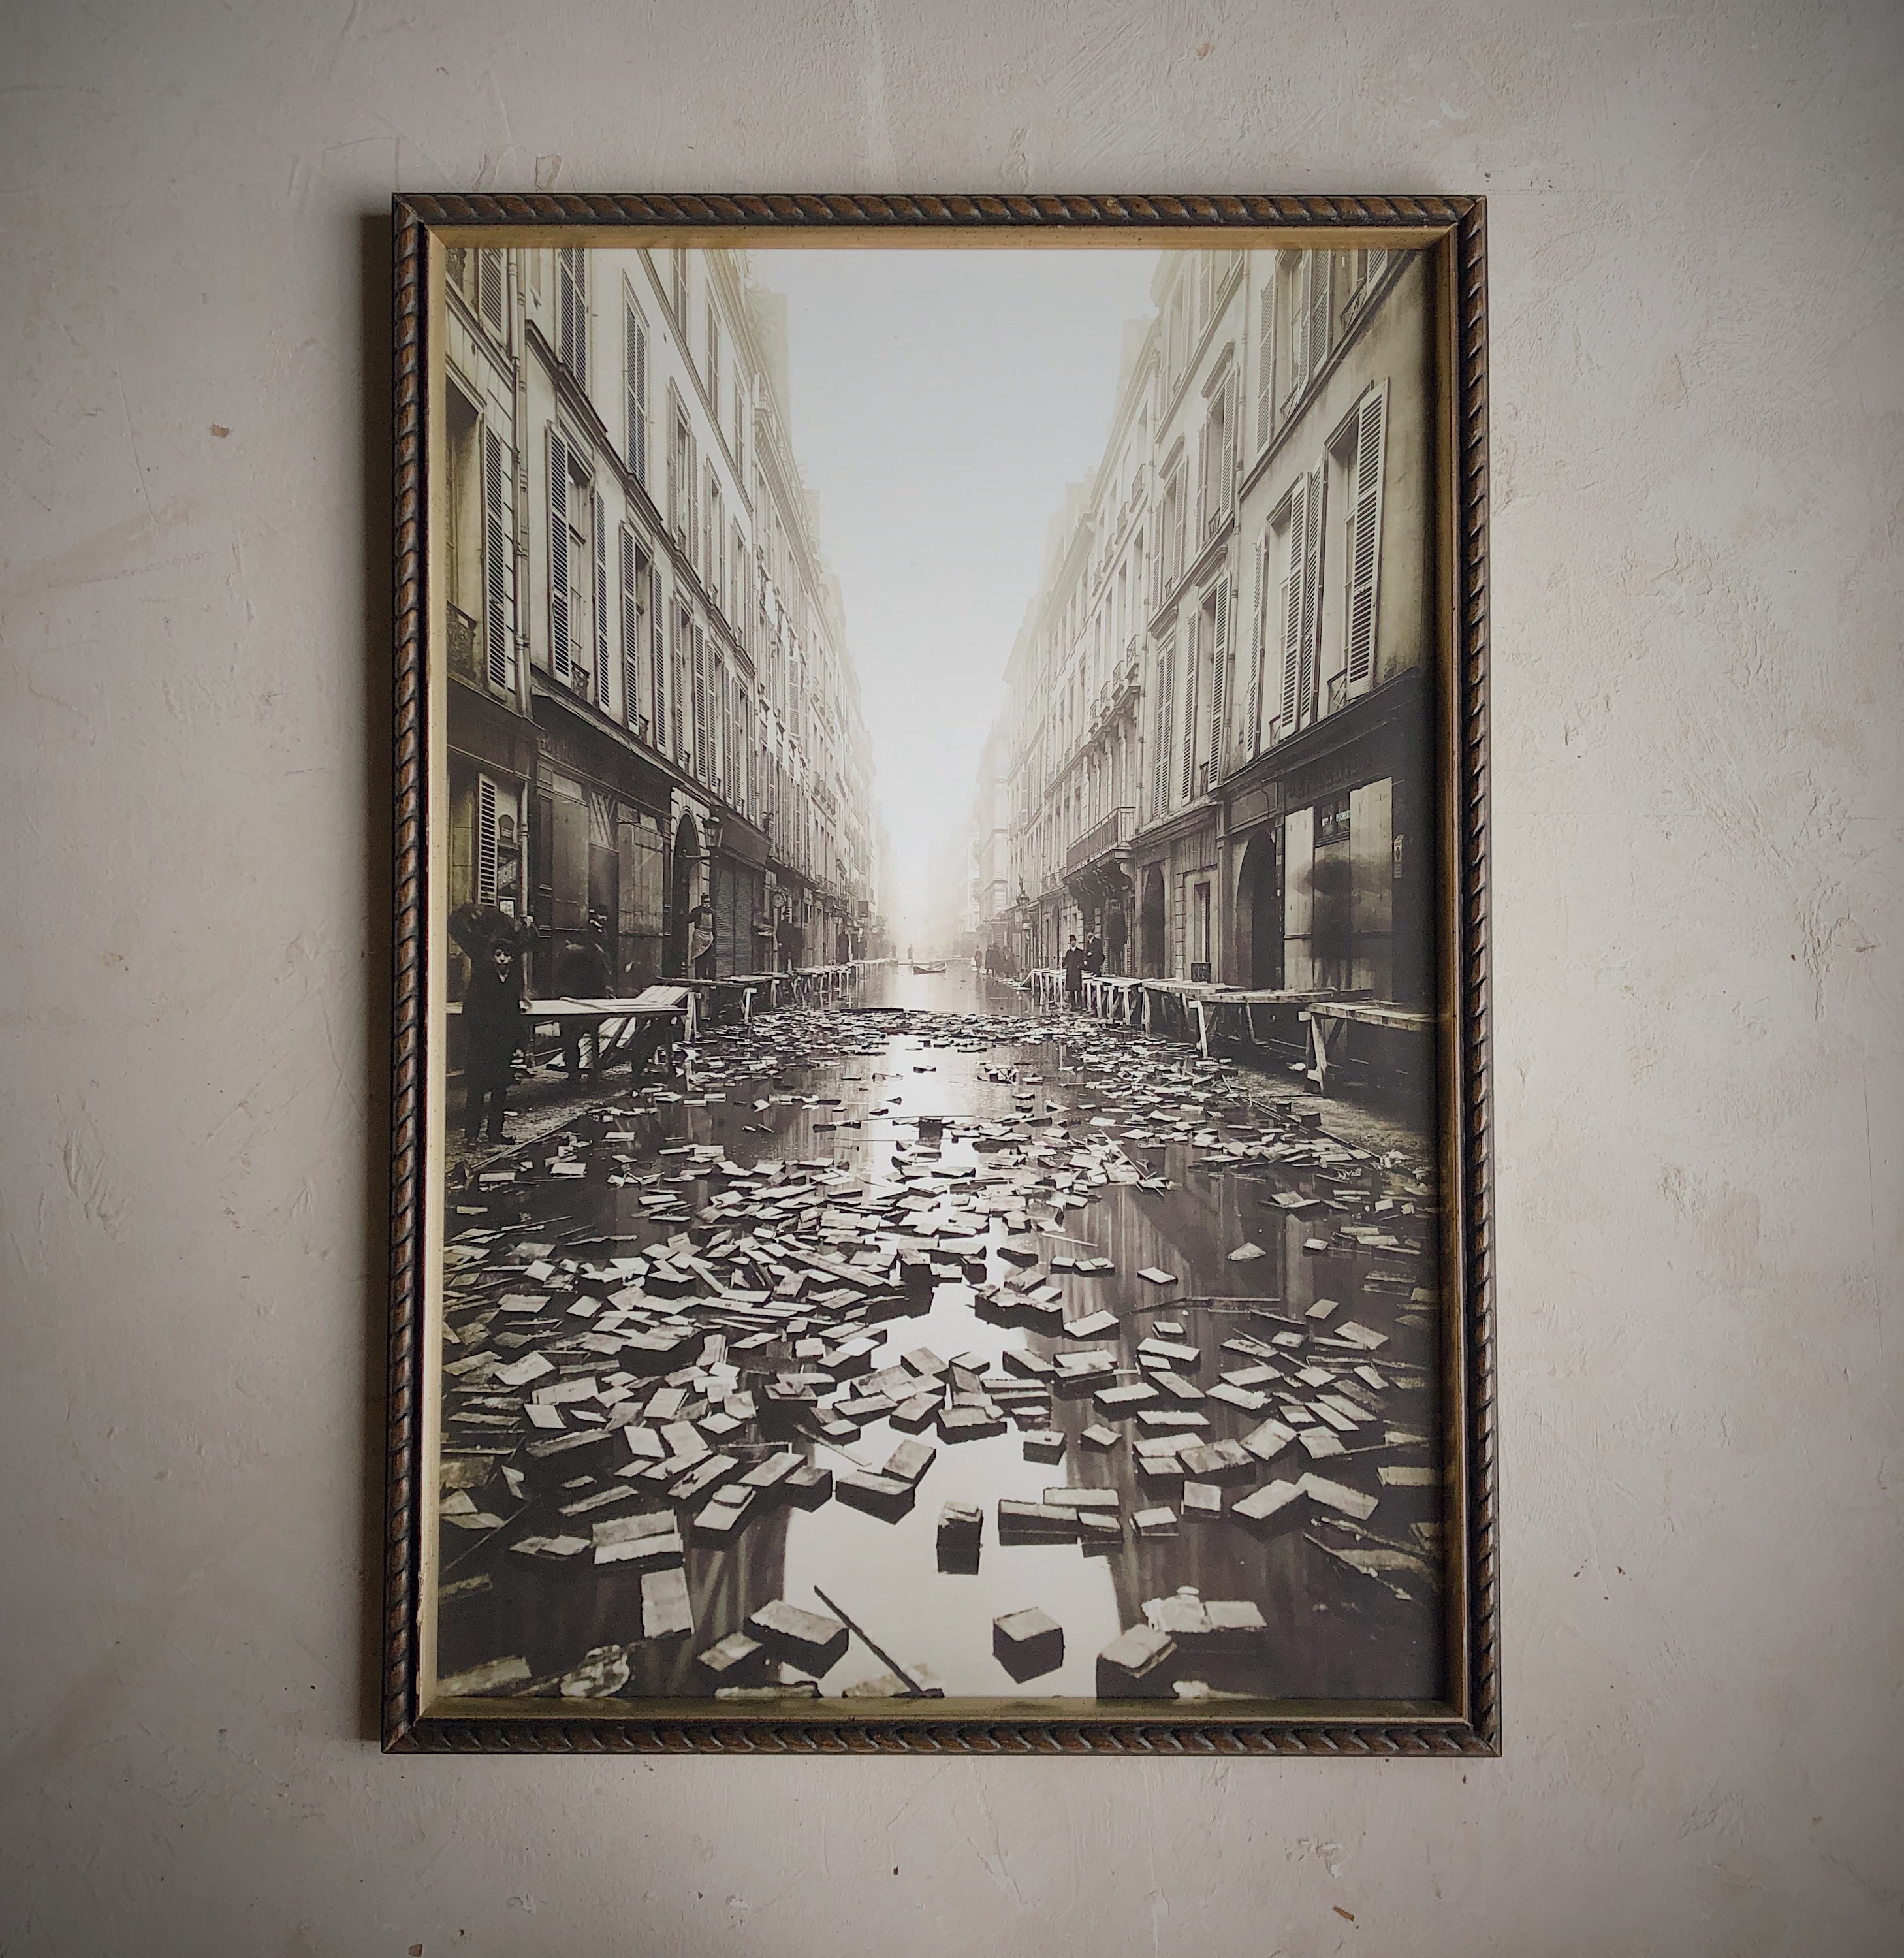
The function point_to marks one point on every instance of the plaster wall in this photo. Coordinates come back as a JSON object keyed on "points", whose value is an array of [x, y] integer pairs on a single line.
{"points": [[1698, 413]]}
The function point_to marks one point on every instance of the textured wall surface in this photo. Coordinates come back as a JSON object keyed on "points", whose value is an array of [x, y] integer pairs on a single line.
{"points": [[1698, 418]]}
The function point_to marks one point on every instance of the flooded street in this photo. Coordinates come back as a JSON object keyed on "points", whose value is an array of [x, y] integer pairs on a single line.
{"points": [[756, 1336]]}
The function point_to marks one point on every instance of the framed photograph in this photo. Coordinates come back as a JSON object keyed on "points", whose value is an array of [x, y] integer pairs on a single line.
{"points": [[940, 1159]]}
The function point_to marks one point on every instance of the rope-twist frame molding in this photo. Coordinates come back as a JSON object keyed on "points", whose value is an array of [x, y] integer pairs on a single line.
{"points": [[403, 1728]]}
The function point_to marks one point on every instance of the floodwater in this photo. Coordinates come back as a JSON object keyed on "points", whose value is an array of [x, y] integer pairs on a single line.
{"points": [[1352, 1606]]}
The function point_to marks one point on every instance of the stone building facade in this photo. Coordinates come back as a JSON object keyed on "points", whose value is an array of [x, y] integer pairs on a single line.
{"points": [[655, 734], [1215, 734]]}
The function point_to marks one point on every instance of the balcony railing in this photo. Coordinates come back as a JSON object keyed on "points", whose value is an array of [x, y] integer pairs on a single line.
{"points": [[1115, 829]]}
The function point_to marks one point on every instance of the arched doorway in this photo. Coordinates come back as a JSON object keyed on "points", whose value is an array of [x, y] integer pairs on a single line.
{"points": [[1150, 961], [1259, 912], [684, 893]]}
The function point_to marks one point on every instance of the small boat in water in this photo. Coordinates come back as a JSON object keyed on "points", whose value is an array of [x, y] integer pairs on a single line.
{"points": [[929, 965]]}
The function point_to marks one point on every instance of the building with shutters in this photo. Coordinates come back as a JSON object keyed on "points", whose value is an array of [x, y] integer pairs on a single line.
{"points": [[1325, 786], [1216, 715], [656, 739]]}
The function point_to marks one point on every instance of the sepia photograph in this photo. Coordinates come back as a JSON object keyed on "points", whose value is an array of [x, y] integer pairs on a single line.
{"points": [[936, 1146]]}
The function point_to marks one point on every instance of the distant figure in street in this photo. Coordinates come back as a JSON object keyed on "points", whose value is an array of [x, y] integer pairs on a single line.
{"points": [[1074, 973], [1094, 956], [701, 942], [493, 1031], [583, 975]]}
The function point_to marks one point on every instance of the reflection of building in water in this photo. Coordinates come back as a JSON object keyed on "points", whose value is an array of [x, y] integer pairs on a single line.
{"points": [[654, 724], [1214, 739]]}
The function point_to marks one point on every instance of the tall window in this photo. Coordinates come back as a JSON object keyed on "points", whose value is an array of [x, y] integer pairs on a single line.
{"points": [[1265, 358], [677, 688], [1357, 452], [1164, 741], [703, 764], [1309, 322], [498, 569], [597, 532], [713, 361], [571, 311], [659, 690], [635, 566], [1216, 630], [570, 512], [678, 284], [1220, 453], [680, 482], [634, 378], [716, 542], [1295, 547]]}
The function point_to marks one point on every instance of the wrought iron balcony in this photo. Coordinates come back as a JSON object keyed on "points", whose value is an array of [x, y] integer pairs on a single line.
{"points": [[1115, 829]]}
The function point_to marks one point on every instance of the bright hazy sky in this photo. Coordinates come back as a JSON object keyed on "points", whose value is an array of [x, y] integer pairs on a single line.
{"points": [[942, 403]]}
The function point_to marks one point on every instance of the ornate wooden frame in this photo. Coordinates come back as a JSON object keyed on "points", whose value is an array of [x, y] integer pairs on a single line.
{"points": [[1469, 1725]]}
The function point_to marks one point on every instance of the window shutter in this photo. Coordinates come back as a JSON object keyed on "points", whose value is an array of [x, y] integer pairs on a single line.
{"points": [[489, 288], [700, 703], [497, 569], [1290, 604], [1233, 409], [1265, 362], [657, 660], [1364, 544], [634, 356], [1166, 701], [599, 513], [1252, 728], [571, 312], [1299, 325], [631, 629], [1319, 267], [1220, 689], [1312, 590], [558, 619], [1190, 691], [485, 840]]}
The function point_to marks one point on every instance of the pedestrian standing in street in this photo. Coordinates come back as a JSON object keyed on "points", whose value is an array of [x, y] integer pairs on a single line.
{"points": [[1094, 956], [1074, 973], [701, 942], [493, 1029], [583, 975]]}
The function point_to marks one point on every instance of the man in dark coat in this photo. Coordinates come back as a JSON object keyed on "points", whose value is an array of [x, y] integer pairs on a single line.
{"points": [[583, 975], [1094, 956], [493, 1028], [1074, 973]]}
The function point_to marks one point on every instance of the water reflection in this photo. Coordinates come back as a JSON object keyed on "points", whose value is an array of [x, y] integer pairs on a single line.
{"points": [[857, 1097]]}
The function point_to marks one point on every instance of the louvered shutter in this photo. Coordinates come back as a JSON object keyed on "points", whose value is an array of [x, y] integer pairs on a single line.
{"points": [[630, 624], [497, 569], [1265, 362], [1251, 731], [634, 360], [485, 840], [1299, 325], [1226, 482], [1166, 699], [559, 622], [489, 288], [571, 313], [1190, 692], [1319, 267], [657, 660], [700, 656], [1220, 689], [1364, 545], [1290, 605], [599, 516], [1312, 591]]}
